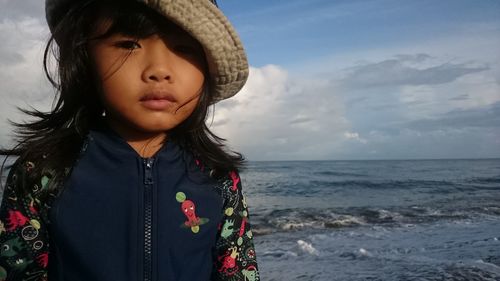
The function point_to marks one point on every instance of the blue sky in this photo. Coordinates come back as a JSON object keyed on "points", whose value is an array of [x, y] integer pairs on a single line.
{"points": [[289, 33], [379, 79]]}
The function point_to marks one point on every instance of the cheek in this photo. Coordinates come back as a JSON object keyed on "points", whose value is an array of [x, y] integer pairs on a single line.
{"points": [[193, 81], [192, 76], [119, 88], [111, 70], [111, 96], [198, 78], [185, 111]]}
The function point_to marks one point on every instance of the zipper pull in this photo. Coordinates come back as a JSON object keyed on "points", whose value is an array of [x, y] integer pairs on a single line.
{"points": [[148, 170]]}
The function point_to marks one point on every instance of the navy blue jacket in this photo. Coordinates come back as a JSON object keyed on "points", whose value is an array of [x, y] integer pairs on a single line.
{"points": [[124, 217]]}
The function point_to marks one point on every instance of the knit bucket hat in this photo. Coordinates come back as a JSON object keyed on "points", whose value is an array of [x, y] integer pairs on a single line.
{"points": [[202, 19]]}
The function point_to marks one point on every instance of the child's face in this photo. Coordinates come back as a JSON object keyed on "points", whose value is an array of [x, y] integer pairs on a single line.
{"points": [[149, 85]]}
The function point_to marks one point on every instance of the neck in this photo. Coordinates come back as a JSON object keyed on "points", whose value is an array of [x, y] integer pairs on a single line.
{"points": [[146, 144], [148, 147]]}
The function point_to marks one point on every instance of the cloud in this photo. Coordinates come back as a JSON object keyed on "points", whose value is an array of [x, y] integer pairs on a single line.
{"points": [[354, 136], [15, 10], [399, 71], [395, 112], [300, 120], [472, 142], [413, 58], [483, 117], [460, 97], [23, 81], [279, 117]]}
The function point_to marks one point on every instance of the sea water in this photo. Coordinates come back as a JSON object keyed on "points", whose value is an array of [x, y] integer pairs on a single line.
{"points": [[376, 220]]}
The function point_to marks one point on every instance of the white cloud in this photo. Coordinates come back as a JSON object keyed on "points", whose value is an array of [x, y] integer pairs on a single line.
{"points": [[14, 9], [354, 136], [277, 116], [397, 72], [401, 115], [23, 81]]}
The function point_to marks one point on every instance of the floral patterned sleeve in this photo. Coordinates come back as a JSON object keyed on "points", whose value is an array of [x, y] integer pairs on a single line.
{"points": [[234, 254], [23, 235]]}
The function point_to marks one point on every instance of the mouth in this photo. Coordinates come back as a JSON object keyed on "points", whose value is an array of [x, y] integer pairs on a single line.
{"points": [[158, 95], [157, 100]]}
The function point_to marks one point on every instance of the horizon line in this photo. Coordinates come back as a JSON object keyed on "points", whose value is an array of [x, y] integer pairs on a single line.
{"points": [[395, 159]]}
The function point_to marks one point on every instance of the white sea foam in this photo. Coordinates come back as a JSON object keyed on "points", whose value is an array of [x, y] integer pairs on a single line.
{"points": [[348, 221], [308, 248], [296, 225], [364, 252]]}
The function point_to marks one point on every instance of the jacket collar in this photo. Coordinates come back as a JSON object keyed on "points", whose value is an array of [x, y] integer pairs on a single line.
{"points": [[111, 141]]}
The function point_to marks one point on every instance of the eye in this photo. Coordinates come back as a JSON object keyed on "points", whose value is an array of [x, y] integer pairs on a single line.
{"points": [[127, 44]]}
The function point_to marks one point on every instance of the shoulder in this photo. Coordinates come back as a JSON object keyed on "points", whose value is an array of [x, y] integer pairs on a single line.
{"points": [[226, 182], [19, 178], [24, 174], [221, 177], [27, 188]]}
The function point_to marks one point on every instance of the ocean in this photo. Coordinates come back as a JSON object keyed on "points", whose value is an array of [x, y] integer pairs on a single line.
{"points": [[375, 220]]}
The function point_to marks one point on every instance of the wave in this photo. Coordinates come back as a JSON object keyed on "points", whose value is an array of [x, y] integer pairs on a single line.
{"points": [[440, 186], [337, 174], [327, 187], [286, 220], [485, 180]]}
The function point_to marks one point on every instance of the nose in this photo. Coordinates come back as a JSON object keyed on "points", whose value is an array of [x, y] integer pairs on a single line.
{"points": [[159, 62]]}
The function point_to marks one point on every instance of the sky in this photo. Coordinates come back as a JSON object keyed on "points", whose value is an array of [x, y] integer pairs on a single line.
{"points": [[329, 79]]}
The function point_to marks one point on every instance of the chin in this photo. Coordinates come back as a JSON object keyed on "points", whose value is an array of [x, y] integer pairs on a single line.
{"points": [[158, 128]]}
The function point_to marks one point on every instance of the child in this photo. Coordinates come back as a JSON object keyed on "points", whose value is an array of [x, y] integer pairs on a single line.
{"points": [[123, 180]]}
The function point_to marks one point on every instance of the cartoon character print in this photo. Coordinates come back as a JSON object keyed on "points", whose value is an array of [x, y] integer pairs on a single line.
{"points": [[189, 210], [43, 259], [236, 258], [228, 260], [250, 273], [12, 249], [227, 229], [23, 238], [15, 220], [236, 179]]}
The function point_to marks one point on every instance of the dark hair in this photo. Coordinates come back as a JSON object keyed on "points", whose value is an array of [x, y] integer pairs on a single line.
{"points": [[54, 139]]}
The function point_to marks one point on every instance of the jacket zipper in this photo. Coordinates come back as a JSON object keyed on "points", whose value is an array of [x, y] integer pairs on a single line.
{"points": [[148, 217]]}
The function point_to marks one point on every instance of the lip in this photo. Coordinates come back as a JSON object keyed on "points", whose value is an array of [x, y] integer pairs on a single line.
{"points": [[157, 100]]}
